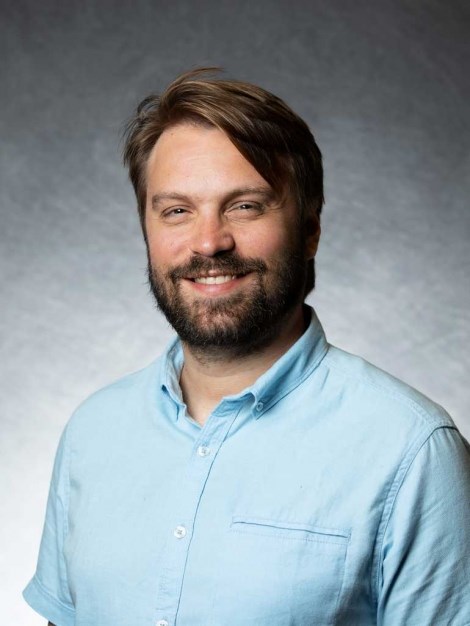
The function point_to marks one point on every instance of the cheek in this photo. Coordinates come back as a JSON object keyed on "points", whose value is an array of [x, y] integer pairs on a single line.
{"points": [[164, 249], [262, 242], [273, 247]]}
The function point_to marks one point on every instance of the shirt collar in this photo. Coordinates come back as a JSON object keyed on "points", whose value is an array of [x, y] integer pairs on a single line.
{"points": [[281, 378]]}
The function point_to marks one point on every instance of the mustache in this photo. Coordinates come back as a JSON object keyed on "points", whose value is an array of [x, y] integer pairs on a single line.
{"points": [[230, 263]]}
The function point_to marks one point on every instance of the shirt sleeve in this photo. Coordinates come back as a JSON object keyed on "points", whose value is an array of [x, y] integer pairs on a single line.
{"points": [[425, 571], [48, 591]]}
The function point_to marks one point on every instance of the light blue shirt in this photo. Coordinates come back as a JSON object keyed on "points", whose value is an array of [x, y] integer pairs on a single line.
{"points": [[326, 493]]}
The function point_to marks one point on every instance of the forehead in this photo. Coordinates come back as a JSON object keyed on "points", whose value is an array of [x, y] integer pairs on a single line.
{"points": [[189, 153]]}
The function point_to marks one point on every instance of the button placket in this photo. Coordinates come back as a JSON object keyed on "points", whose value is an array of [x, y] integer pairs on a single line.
{"points": [[173, 566]]}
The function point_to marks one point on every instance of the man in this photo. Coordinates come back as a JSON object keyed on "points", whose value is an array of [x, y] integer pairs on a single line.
{"points": [[253, 474]]}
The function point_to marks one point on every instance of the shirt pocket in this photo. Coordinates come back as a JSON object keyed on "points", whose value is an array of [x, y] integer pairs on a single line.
{"points": [[295, 531], [283, 573]]}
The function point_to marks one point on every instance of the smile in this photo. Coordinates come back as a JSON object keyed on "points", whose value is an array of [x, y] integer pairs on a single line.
{"points": [[215, 280]]}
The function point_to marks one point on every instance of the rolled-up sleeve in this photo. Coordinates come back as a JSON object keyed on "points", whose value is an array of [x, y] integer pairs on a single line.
{"points": [[424, 577], [48, 591]]}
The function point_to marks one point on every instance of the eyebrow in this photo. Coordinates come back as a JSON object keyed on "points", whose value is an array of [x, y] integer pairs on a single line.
{"points": [[266, 192]]}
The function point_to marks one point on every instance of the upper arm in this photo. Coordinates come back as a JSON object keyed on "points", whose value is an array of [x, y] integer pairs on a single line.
{"points": [[48, 591], [425, 568]]}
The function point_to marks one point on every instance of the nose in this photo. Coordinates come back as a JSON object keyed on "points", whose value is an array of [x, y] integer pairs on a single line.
{"points": [[211, 235]]}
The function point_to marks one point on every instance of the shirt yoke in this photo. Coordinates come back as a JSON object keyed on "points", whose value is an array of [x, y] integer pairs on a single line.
{"points": [[362, 377]]}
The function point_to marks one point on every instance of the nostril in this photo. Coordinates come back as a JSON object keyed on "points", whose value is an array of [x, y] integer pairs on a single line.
{"points": [[212, 243]]}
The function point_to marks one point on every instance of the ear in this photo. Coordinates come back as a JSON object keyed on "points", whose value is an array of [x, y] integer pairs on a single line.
{"points": [[312, 236]]}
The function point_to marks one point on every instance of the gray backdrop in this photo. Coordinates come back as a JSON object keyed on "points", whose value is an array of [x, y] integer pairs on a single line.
{"points": [[384, 88]]}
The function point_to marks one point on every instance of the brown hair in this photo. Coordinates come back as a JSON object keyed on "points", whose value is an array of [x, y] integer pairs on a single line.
{"points": [[274, 139]]}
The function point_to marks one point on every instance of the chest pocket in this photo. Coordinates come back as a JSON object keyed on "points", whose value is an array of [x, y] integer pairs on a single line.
{"points": [[281, 573]]}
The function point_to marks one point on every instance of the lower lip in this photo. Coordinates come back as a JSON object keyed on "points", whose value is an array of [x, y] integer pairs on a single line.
{"points": [[218, 289]]}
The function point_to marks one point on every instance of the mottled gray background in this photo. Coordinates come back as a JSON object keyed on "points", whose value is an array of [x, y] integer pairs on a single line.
{"points": [[385, 89]]}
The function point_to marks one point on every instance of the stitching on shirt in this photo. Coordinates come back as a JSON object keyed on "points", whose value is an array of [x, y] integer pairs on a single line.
{"points": [[67, 484], [286, 534], [397, 395], [199, 497], [252, 520], [409, 456], [296, 383], [171, 371], [65, 527], [55, 600], [402, 471]]}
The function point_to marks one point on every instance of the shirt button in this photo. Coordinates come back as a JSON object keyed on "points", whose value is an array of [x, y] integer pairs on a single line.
{"points": [[259, 406], [203, 451], [179, 533], [162, 622]]}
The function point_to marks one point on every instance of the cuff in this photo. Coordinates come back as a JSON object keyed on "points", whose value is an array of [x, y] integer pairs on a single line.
{"points": [[47, 605]]}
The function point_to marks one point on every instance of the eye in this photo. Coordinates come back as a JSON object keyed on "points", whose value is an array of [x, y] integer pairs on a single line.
{"points": [[174, 214], [246, 208]]}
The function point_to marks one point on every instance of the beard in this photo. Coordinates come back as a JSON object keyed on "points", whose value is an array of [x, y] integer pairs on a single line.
{"points": [[236, 324]]}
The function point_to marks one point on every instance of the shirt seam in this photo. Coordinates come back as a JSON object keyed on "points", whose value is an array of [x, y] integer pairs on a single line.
{"points": [[274, 523], [403, 469], [419, 410], [297, 382], [65, 523], [48, 595], [285, 535], [197, 507]]}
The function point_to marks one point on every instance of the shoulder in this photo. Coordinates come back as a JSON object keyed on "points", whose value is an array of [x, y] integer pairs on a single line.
{"points": [[376, 393], [121, 401]]}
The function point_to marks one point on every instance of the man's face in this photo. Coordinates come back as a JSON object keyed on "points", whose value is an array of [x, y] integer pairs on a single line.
{"points": [[227, 259]]}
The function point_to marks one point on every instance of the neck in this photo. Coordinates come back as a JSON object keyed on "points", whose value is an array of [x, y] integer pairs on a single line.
{"points": [[207, 377]]}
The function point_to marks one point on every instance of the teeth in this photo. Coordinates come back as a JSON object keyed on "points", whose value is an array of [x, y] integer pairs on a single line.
{"points": [[214, 280]]}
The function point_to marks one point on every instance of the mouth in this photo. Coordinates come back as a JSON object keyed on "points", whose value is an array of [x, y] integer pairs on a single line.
{"points": [[215, 280], [214, 276], [215, 283]]}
